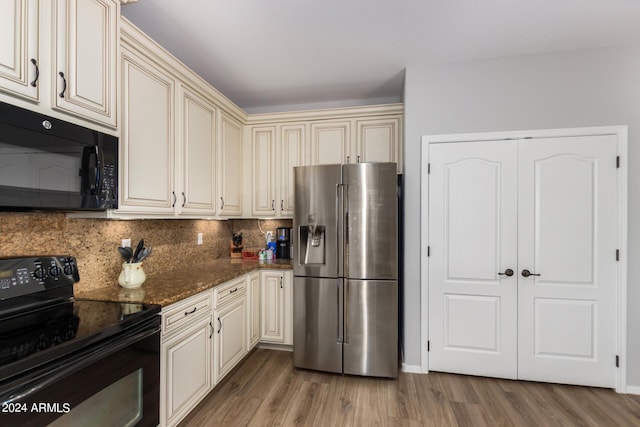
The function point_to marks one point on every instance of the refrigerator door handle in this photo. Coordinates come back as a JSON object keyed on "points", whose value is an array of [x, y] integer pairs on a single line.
{"points": [[340, 302], [340, 227], [345, 339]]}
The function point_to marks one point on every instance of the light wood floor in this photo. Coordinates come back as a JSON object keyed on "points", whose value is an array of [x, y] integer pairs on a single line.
{"points": [[266, 390]]}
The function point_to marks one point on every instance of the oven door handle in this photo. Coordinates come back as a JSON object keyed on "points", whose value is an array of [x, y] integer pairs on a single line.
{"points": [[64, 366]]}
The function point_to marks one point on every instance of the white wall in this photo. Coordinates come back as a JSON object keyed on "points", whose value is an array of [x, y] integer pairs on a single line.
{"points": [[561, 90]]}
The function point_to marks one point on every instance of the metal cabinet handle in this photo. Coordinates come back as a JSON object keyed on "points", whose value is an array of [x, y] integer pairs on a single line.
{"points": [[184, 199], [508, 272], [64, 84], [221, 203], [348, 159], [175, 199], [280, 282], [527, 273], [233, 290], [186, 313], [358, 159], [35, 81], [219, 325], [273, 205], [211, 326], [281, 205]]}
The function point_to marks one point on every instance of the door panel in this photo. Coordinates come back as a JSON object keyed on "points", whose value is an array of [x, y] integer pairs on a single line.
{"points": [[472, 229], [371, 328], [317, 327], [371, 218], [568, 234]]}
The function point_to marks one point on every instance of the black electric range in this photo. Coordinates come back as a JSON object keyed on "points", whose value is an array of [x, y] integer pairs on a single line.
{"points": [[44, 329]]}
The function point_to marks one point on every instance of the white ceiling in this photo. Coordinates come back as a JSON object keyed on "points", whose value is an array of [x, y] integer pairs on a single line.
{"points": [[275, 55]]}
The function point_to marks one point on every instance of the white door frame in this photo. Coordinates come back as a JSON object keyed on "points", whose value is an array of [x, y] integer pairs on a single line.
{"points": [[621, 310]]}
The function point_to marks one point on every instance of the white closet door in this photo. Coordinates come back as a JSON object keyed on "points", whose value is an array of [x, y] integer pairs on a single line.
{"points": [[567, 234], [473, 238]]}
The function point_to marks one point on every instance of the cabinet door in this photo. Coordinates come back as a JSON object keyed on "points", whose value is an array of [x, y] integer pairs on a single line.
{"points": [[147, 137], [19, 58], [378, 140], [86, 42], [197, 130], [230, 167], [253, 310], [230, 344], [272, 307], [186, 371], [263, 191], [330, 142], [291, 154]]}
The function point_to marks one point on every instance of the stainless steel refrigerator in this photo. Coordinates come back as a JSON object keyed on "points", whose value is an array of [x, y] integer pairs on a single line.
{"points": [[345, 292]]}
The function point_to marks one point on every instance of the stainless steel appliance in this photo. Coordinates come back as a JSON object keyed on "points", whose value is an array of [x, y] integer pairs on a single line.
{"points": [[67, 361], [283, 242], [49, 164], [346, 269]]}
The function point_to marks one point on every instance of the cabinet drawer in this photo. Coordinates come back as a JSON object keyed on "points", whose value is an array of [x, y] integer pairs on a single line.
{"points": [[229, 291], [182, 313]]}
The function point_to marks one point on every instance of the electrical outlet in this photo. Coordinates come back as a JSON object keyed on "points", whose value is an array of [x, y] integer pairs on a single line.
{"points": [[199, 238], [126, 243]]}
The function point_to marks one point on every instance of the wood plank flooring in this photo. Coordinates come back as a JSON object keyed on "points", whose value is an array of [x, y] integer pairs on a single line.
{"points": [[265, 390]]}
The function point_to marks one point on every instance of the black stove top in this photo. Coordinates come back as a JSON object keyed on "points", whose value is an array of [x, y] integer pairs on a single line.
{"points": [[41, 321], [40, 336]]}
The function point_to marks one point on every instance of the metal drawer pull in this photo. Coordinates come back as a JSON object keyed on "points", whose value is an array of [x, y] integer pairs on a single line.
{"points": [[211, 326], [219, 325], [234, 290], [175, 199], [186, 313], [184, 199], [527, 273], [221, 203], [508, 272]]}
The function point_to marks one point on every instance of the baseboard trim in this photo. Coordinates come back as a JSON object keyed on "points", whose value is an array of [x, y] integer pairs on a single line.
{"points": [[412, 369], [271, 346], [633, 389]]}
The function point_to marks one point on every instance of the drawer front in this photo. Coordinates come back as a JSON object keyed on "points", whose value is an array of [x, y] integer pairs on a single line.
{"points": [[229, 291], [182, 313]]}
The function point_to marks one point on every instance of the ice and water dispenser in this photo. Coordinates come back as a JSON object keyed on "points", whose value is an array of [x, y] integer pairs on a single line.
{"points": [[312, 244]]}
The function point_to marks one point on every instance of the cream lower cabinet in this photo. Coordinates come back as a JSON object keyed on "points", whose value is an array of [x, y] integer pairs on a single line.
{"points": [[230, 323], [186, 357], [253, 309], [276, 307]]}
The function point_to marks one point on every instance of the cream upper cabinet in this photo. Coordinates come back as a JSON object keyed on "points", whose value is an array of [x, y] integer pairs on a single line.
{"points": [[330, 142], [379, 140], [86, 34], [264, 167], [229, 166], [196, 154], [276, 150], [19, 58], [147, 137], [292, 153]]}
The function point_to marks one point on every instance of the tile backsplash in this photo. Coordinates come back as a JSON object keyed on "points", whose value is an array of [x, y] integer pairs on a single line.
{"points": [[94, 242]]}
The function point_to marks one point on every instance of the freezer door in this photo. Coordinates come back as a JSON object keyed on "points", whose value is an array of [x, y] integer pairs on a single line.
{"points": [[317, 323], [371, 219], [371, 328], [316, 225]]}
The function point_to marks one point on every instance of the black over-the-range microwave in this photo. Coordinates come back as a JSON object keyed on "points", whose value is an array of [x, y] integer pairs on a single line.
{"points": [[50, 164]]}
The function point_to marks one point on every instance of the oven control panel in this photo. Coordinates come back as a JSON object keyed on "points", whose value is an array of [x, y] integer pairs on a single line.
{"points": [[23, 276]]}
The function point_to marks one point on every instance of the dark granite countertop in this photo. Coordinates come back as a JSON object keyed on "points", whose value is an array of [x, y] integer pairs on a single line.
{"points": [[173, 286]]}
